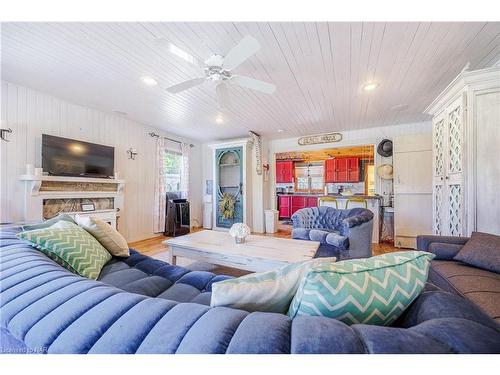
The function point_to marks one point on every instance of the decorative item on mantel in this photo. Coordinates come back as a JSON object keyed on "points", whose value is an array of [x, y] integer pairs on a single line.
{"points": [[319, 139], [239, 232]]}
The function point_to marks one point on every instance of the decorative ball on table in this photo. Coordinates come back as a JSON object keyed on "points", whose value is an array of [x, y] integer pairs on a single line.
{"points": [[239, 231]]}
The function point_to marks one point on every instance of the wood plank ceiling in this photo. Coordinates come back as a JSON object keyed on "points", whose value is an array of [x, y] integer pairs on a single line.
{"points": [[319, 70]]}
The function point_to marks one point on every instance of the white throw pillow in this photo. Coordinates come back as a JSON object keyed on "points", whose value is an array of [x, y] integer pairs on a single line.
{"points": [[108, 237], [270, 291]]}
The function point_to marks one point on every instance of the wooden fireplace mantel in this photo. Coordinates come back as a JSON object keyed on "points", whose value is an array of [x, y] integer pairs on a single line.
{"points": [[36, 183]]}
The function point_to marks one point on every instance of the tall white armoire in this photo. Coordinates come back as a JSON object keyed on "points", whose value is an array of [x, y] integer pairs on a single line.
{"points": [[466, 154]]}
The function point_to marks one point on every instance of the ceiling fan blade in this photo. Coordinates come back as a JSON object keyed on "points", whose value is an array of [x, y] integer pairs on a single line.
{"points": [[179, 52], [185, 85], [240, 52], [222, 95], [253, 84]]}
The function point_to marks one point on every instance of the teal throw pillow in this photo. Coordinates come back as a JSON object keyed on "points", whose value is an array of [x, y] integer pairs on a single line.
{"points": [[375, 290], [49, 222], [70, 246]]}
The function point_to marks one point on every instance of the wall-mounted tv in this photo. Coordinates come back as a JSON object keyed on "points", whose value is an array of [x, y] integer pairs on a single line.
{"points": [[69, 157]]}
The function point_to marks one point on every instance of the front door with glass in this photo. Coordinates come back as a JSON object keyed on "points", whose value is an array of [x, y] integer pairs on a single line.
{"points": [[229, 186]]}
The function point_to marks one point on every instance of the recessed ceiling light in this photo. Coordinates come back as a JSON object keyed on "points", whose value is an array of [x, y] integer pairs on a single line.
{"points": [[281, 130], [149, 81], [219, 120], [370, 86]]}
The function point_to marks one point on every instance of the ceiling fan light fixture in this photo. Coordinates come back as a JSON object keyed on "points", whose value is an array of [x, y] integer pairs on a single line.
{"points": [[218, 69], [370, 86], [149, 81]]}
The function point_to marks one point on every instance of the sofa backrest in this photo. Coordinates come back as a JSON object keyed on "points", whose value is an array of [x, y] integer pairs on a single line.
{"points": [[325, 217]]}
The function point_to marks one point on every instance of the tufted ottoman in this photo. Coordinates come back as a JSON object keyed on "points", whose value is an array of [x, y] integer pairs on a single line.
{"points": [[154, 278]]}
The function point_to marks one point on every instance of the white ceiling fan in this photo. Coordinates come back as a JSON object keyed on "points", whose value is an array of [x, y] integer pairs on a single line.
{"points": [[218, 69]]}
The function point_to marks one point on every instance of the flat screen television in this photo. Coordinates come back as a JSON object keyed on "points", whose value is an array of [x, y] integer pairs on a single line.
{"points": [[69, 157]]}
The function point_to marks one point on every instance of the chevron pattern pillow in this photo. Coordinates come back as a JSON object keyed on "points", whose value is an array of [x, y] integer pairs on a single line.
{"points": [[71, 247], [374, 291]]}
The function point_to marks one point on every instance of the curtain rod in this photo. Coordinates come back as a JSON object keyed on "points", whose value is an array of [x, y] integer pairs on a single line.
{"points": [[152, 134]]}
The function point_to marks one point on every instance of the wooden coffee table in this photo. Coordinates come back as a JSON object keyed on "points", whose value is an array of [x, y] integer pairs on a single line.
{"points": [[257, 254]]}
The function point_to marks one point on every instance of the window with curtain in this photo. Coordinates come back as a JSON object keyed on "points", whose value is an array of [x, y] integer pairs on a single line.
{"points": [[173, 170], [172, 164]]}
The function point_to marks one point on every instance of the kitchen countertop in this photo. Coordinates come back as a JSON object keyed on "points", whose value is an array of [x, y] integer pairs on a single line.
{"points": [[338, 196]]}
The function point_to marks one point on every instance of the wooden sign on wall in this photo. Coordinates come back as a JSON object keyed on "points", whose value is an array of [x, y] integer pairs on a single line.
{"points": [[320, 138]]}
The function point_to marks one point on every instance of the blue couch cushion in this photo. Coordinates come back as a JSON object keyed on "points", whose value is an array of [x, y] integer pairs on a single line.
{"points": [[151, 277], [468, 336], [319, 235], [337, 240], [301, 233]]}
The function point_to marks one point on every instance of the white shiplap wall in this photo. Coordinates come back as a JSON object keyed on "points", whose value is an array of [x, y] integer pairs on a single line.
{"points": [[30, 113]]}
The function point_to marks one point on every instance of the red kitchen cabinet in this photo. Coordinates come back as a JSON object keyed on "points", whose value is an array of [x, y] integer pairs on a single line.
{"points": [[284, 171], [330, 170], [298, 202], [342, 170], [352, 170], [312, 202], [284, 206], [288, 205]]}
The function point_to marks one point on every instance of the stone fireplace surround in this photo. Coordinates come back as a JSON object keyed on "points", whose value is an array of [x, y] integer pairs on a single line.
{"points": [[46, 196]]}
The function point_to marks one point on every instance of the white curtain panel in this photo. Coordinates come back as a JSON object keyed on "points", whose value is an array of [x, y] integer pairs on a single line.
{"points": [[160, 186], [185, 150]]}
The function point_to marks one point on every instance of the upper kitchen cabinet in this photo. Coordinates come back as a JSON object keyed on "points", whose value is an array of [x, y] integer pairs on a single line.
{"points": [[352, 169], [330, 170], [284, 171], [342, 170]]}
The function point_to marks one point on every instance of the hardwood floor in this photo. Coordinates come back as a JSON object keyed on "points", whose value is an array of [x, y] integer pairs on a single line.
{"points": [[154, 248]]}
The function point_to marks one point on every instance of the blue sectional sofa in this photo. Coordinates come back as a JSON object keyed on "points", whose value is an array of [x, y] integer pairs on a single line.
{"points": [[142, 305], [344, 234]]}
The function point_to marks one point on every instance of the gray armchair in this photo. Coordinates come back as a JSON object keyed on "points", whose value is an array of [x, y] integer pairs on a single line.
{"points": [[344, 234]]}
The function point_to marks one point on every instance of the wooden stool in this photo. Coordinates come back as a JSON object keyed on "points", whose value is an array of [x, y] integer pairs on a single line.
{"points": [[358, 200]]}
